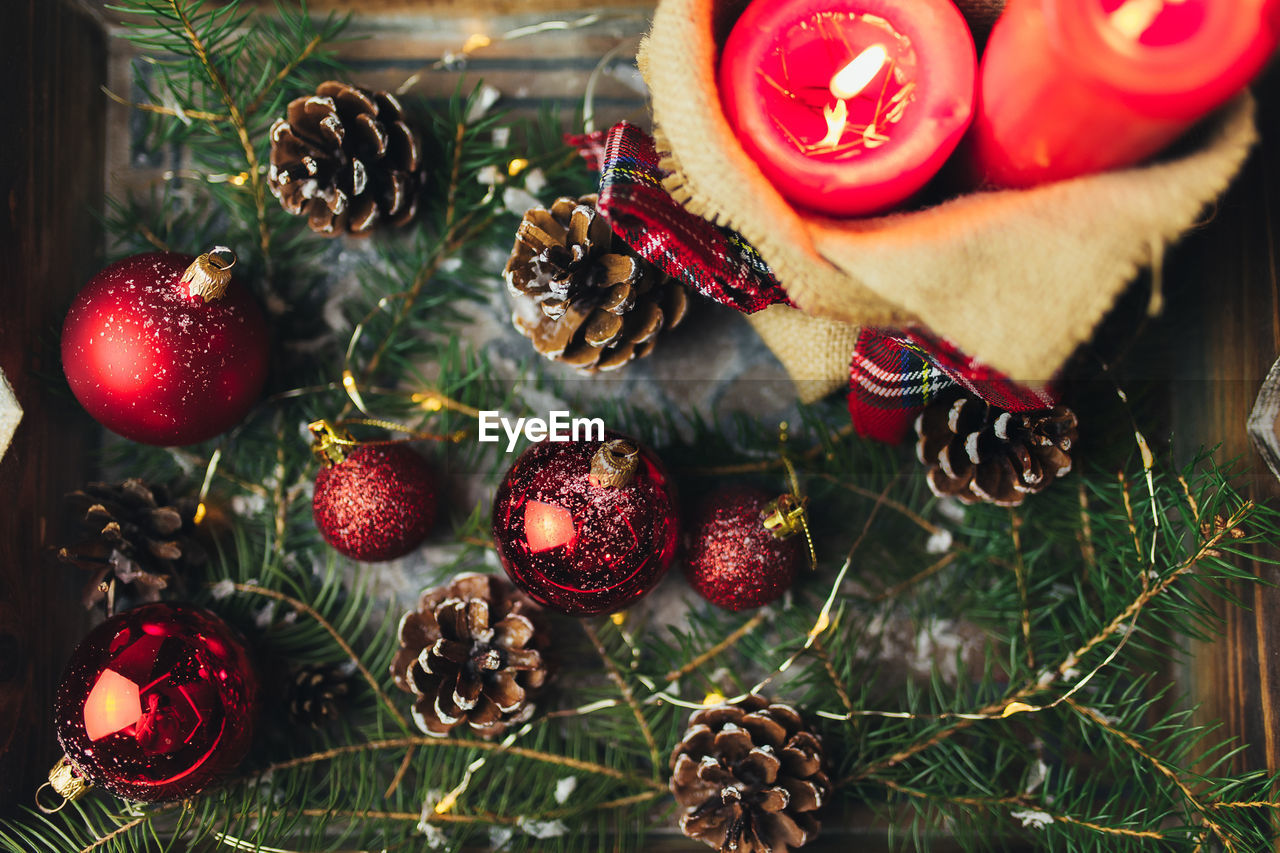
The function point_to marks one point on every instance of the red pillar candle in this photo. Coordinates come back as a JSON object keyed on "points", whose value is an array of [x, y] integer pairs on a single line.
{"points": [[848, 106], [1069, 87]]}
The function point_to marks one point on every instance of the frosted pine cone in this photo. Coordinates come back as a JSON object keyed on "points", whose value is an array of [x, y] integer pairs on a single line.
{"points": [[980, 453], [472, 655], [345, 158], [749, 778], [583, 297]]}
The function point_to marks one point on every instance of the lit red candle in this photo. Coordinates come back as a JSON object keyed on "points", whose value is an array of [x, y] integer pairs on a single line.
{"points": [[1069, 87], [848, 106]]}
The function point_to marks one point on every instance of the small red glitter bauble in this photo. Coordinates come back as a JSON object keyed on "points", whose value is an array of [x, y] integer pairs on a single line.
{"points": [[157, 702], [732, 559], [586, 526], [165, 351], [377, 504]]}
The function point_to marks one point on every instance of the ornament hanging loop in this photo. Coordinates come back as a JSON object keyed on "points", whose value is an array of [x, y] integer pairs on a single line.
{"points": [[614, 464], [210, 273], [329, 443], [785, 516], [67, 782]]}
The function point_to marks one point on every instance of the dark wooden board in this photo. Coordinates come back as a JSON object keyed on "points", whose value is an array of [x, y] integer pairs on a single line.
{"points": [[53, 61], [1224, 334]]}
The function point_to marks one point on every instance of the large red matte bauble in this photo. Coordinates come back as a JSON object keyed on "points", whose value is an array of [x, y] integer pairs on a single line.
{"points": [[575, 544], [377, 504], [157, 702], [156, 364], [733, 560]]}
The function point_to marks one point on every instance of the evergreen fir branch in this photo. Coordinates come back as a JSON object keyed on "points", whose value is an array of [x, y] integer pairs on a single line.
{"points": [[160, 109], [564, 761], [338, 638], [455, 232], [202, 47], [1016, 701], [627, 696], [1130, 741], [719, 648], [288, 68], [1018, 801]]}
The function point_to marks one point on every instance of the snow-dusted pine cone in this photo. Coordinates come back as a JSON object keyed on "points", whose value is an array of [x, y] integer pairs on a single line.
{"points": [[583, 297], [749, 777], [346, 159], [472, 655], [980, 453]]}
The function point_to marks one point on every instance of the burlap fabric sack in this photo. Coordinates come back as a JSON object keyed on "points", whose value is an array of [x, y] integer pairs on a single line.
{"points": [[1016, 278]]}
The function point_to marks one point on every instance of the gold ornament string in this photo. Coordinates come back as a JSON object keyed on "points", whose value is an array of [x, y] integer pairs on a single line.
{"points": [[791, 515], [330, 438]]}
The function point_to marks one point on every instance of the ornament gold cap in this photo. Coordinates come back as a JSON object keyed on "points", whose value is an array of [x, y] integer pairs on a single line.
{"points": [[614, 464], [210, 273], [784, 516], [67, 781], [329, 443]]}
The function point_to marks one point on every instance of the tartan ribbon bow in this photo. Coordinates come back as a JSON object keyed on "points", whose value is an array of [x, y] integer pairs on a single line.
{"points": [[716, 262], [895, 373]]}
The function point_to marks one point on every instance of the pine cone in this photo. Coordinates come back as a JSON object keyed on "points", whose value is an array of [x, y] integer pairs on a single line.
{"points": [[472, 653], [980, 453], [141, 536], [749, 778], [315, 692], [345, 158], [582, 296]]}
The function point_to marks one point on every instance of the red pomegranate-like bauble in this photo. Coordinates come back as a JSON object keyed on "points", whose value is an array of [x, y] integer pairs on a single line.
{"points": [[586, 527], [166, 349]]}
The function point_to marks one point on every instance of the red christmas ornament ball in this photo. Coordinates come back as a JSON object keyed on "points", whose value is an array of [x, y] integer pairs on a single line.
{"points": [[378, 503], [164, 350], [732, 559], [586, 527], [157, 703]]}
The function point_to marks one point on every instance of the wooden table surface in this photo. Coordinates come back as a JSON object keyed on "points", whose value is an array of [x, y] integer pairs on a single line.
{"points": [[54, 59], [1222, 331]]}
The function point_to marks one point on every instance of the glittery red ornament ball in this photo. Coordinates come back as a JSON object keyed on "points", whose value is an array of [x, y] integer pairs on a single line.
{"points": [[155, 363], [377, 504], [732, 559], [157, 703], [576, 544]]}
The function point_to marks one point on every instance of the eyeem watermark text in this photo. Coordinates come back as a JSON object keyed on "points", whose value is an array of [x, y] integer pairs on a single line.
{"points": [[558, 426]]}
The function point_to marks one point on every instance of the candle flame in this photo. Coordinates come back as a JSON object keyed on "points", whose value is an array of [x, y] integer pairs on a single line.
{"points": [[837, 117], [849, 81], [1134, 17]]}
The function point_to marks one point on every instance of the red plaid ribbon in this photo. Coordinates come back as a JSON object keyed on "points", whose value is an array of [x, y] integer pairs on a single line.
{"points": [[896, 373], [590, 147], [716, 262]]}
